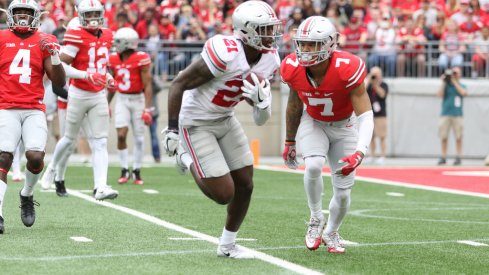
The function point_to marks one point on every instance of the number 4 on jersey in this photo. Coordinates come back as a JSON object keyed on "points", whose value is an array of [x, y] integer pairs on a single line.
{"points": [[23, 69]]}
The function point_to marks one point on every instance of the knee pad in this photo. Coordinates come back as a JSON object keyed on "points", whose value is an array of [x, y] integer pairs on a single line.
{"points": [[314, 166]]}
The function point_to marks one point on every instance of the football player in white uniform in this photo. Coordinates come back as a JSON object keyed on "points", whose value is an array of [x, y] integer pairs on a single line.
{"points": [[330, 84], [85, 55], [201, 104]]}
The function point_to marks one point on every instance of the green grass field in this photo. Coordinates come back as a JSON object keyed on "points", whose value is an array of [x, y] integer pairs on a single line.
{"points": [[412, 234]]}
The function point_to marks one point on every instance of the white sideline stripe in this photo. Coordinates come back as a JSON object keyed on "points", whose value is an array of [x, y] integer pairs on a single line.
{"points": [[349, 242], [467, 173], [198, 239], [325, 211], [472, 243], [81, 239], [386, 182], [258, 255], [150, 191], [394, 194]]}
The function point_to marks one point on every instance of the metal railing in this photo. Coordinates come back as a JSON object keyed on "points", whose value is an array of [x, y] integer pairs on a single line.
{"points": [[170, 57]]}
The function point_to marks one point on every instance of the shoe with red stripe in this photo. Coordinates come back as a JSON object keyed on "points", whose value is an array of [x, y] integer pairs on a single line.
{"points": [[136, 175], [125, 175], [313, 235], [334, 242]]}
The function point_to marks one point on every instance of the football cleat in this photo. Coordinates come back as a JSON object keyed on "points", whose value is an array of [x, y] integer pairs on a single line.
{"points": [[106, 192], [233, 251], [47, 179], [334, 242], [2, 227], [27, 211], [18, 177], [313, 235], [60, 188], [181, 168], [136, 175], [125, 175]]}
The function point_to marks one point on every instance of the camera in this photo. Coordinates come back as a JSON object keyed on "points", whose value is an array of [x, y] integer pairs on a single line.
{"points": [[373, 77], [448, 75]]}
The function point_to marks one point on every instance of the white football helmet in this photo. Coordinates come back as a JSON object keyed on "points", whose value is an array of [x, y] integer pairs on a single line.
{"points": [[315, 40], [256, 24], [126, 39], [23, 22], [94, 21]]}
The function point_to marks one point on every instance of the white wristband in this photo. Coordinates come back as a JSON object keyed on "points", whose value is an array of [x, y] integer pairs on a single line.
{"points": [[55, 60]]}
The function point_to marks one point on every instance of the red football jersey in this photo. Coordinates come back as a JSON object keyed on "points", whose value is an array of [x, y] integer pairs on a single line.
{"points": [[22, 71], [92, 55], [127, 73], [331, 100]]}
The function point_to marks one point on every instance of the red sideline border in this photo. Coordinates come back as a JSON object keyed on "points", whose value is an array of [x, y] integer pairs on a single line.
{"points": [[425, 178]]}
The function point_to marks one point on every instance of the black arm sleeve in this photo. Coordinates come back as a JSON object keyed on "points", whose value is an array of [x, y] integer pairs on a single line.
{"points": [[60, 91]]}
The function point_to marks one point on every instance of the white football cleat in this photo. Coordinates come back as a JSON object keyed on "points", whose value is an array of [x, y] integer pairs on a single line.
{"points": [[47, 178], [18, 176], [334, 242], [106, 192], [233, 251], [313, 235]]}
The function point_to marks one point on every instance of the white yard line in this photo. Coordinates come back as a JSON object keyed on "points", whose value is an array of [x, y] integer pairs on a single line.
{"points": [[258, 255], [81, 239], [472, 243], [394, 194], [386, 182]]}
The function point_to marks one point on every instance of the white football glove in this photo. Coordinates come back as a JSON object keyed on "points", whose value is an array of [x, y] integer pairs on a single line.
{"points": [[170, 141], [259, 93]]}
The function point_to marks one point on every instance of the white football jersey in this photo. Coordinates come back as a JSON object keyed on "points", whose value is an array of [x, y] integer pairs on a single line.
{"points": [[226, 59]]}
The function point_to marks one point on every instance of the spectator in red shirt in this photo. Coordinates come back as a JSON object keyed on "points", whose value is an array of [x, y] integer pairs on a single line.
{"points": [[461, 15], [121, 21], [170, 8], [411, 40], [354, 36], [438, 28], [207, 12], [149, 18], [470, 27], [168, 31], [451, 7]]}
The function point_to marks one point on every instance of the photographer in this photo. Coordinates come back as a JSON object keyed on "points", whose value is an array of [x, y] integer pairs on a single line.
{"points": [[452, 92], [377, 91]]}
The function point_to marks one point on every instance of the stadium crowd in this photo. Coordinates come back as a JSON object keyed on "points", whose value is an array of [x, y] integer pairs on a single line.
{"points": [[404, 38]]}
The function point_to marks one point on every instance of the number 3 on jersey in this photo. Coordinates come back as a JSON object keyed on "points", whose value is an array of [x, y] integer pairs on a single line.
{"points": [[21, 65]]}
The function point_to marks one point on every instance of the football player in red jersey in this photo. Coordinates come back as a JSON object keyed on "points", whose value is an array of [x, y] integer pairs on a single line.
{"points": [[85, 55], [134, 98], [26, 56], [201, 104], [330, 84]]}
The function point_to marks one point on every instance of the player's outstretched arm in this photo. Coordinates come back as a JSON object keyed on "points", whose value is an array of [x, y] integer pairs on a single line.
{"points": [[363, 109], [192, 77]]}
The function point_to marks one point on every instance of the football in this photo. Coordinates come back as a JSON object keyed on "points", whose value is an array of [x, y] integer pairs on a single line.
{"points": [[250, 80]]}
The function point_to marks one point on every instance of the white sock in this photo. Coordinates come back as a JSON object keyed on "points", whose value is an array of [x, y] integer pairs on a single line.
{"points": [[227, 237], [314, 186], [3, 189], [30, 181], [138, 151], [123, 158], [63, 163], [62, 147], [100, 161], [339, 205]]}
